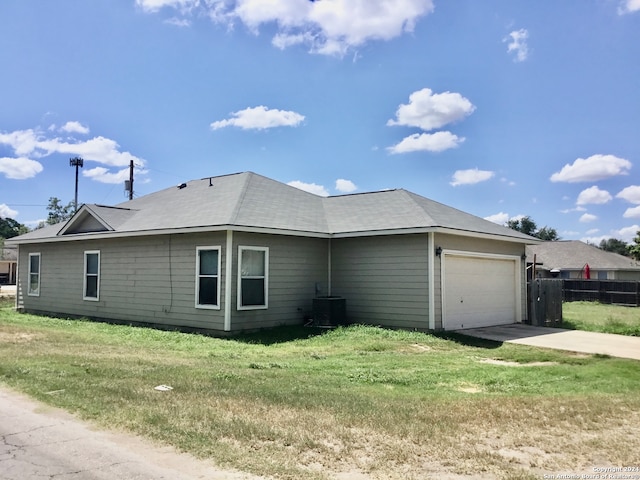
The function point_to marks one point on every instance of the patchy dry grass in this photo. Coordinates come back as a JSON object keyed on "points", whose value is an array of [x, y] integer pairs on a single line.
{"points": [[598, 317], [357, 402]]}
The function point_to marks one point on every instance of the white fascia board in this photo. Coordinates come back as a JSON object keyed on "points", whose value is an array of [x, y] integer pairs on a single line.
{"points": [[167, 231], [444, 230], [273, 231]]}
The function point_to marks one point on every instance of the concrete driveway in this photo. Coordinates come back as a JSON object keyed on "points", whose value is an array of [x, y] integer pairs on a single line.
{"points": [[560, 339]]}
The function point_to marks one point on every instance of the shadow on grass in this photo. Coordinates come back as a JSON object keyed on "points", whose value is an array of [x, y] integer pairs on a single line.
{"points": [[275, 335], [468, 340]]}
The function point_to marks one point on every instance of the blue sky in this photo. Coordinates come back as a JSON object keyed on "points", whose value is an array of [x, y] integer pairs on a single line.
{"points": [[500, 108]]}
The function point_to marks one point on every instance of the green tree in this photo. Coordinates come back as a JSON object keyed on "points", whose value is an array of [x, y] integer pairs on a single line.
{"points": [[527, 226], [11, 228], [634, 249], [57, 212], [547, 234], [523, 225], [614, 245]]}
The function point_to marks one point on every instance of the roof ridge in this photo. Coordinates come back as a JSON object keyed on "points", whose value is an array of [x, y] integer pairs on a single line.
{"points": [[363, 193], [245, 187], [110, 206], [412, 196]]}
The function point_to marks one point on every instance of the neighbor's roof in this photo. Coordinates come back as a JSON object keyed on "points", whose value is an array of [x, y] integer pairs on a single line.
{"points": [[9, 254], [247, 201], [574, 255]]}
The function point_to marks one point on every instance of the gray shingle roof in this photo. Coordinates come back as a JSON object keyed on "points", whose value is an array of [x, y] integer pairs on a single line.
{"points": [[574, 254], [253, 201]]}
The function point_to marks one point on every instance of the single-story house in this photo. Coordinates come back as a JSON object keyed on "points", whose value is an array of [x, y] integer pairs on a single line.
{"points": [[8, 265], [573, 259], [242, 252]]}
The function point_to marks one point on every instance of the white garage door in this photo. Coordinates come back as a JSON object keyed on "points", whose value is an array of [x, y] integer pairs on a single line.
{"points": [[479, 291]]}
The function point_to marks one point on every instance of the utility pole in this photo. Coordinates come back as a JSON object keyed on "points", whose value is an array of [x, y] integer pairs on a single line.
{"points": [[130, 179], [76, 162]]}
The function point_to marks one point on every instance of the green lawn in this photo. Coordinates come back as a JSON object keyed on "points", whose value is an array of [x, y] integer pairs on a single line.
{"points": [[598, 317], [301, 403]]}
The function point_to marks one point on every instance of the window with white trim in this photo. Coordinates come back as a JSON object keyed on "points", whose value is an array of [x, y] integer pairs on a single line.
{"points": [[34, 275], [208, 277], [91, 289], [253, 278]]}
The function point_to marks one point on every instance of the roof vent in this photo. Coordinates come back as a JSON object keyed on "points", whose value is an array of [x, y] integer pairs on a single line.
{"points": [[182, 185]]}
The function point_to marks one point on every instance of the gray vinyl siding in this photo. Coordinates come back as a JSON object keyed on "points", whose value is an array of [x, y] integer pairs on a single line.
{"points": [[479, 245], [296, 266], [142, 279], [625, 275], [384, 279]]}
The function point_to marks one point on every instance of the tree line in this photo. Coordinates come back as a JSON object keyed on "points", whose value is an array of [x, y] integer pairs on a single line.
{"points": [[527, 226]]}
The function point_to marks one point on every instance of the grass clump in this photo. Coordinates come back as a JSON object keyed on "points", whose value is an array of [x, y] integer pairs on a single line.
{"points": [[300, 403]]}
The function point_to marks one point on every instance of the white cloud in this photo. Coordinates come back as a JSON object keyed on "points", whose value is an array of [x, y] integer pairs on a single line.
{"points": [[593, 195], [633, 212], [429, 111], [593, 231], [510, 183], [310, 187], [470, 177], [97, 149], [7, 212], [19, 168], [629, 6], [630, 194], [627, 233], [103, 175], [518, 44], [499, 218], [74, 127], [37, 144], [428, 142], [23, 142], [329, 27], [587, 217], [577, 209], [594, 240], [155, 5], [345, 186], [178, 22], [594, 168], [260, 118]]}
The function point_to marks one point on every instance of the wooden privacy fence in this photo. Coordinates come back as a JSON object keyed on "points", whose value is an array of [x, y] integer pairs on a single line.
{"points": [[545, 302], [617, 292]]}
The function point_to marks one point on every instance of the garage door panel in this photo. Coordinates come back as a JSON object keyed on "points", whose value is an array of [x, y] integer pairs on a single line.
{"points": [[478, 292]]}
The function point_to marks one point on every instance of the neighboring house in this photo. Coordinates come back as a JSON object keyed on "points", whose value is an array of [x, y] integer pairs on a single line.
{"points": [[8, 265], [569, 259], [242, 252]]}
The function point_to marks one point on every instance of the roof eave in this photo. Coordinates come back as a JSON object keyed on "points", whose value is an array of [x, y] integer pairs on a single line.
{"points": [[443, 230], [169, 231]]}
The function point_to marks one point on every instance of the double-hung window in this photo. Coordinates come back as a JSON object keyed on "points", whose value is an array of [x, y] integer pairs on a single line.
{"points": [[34, 275], [208, 277], [91, 275], [253, 278]]}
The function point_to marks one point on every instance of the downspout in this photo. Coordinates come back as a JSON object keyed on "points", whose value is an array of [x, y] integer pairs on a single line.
{"points": [[228, 261], [17, 278], [431, 267], [329, 270]]}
